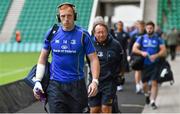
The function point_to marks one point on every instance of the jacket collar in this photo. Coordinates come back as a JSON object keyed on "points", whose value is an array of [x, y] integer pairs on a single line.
{"points": [[106, 42]]}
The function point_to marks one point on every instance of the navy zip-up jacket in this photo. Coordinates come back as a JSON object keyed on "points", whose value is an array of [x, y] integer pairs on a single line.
{"points": [[110, 56]]}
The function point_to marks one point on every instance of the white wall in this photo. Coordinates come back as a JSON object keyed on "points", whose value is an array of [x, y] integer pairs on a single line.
{"points": [[150, 10], [128, 14]]}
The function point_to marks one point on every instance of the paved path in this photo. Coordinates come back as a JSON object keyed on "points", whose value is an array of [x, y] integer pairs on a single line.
{"points": [[129, 101], [168, 100]]}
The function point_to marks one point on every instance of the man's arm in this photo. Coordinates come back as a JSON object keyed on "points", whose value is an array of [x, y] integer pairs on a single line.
{"points": [[94, 63], [41, 64], [95, 70], [136, 50], [40, 70], [161, 53]]}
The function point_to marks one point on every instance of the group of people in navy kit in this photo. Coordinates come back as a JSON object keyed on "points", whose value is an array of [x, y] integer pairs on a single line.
{"points": [[67, 90]]}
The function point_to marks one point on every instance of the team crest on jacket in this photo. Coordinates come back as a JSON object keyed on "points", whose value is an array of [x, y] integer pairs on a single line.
{"points": [[100, 54], [124, 35]]}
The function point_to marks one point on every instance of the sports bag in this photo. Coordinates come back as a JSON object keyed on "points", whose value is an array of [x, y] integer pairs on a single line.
{"points": [[30, 78], [165, 73], [137, 61]]}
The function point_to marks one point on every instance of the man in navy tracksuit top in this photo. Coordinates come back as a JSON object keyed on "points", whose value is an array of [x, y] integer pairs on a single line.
{"points": [[67, 89], [123, 38], [109, 53]]}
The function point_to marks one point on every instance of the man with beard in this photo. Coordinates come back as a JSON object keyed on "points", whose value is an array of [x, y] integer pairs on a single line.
{"points": [[152, 48]]}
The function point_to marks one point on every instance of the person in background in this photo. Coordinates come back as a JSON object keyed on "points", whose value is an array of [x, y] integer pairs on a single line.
{"points": [[18, 36], [172, 42], [66, 91], [137, 73], [152, 48], [123, 38], [159, 31], [134, 29]]}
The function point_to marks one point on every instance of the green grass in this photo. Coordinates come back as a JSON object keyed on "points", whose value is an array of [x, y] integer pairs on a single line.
{"points": [[15, 66]]}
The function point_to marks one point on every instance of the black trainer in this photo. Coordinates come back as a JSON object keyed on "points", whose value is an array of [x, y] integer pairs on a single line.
{"points": [[153, 105], [147, 100]]}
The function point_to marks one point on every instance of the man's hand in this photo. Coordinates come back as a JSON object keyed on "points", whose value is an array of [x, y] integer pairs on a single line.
{"points": [[153, 57], [37, 87], [144, 54], [93, 89]]}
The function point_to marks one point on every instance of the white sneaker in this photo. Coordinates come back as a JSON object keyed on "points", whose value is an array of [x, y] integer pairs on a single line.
{"points": [[119, 88], [138, 89], [141, 85]]}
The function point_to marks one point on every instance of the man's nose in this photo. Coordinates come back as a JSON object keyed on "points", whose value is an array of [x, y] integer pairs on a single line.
{"points": [[66, 17]]}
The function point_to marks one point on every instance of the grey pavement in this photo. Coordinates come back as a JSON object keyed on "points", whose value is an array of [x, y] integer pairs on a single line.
{"points": [[128, 100], [36, 107], [168, 100]]}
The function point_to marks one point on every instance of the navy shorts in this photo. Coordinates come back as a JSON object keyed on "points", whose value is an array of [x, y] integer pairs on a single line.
{"points": [[105, 95], [150, 72], [67, 97]]}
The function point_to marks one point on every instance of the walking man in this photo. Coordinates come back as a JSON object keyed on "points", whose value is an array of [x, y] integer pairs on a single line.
{"points": [[110, 56], [151, 48], [67, 89]]}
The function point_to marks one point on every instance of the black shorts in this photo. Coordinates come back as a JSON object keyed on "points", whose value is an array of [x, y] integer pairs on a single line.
{"points": [[67, 97], [105, 95], [150, 72]]}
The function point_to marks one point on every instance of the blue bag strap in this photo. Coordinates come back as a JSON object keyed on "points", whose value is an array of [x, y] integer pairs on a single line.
{"points": [[52, 32], [50, 36]]}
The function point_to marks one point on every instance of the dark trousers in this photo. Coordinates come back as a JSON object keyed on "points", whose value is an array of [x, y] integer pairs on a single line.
{"points": [[67, 97], [172, 49], [115, 107], [150, 72], [106, 94]]}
